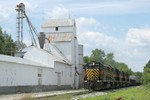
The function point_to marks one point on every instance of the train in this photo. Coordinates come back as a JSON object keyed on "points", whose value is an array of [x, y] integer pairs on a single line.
{"points": [[98, 76]]}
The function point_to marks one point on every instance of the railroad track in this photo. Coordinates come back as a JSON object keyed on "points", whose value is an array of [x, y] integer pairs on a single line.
{"points": [[77, 94], [88, 94], [96, 93]]}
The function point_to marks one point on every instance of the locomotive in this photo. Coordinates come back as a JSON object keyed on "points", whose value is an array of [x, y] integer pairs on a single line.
{"points": [[98, 77]]}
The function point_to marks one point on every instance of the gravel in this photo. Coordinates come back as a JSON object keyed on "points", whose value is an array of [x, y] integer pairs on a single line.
{"points": [[38, 95], [93, 94]]}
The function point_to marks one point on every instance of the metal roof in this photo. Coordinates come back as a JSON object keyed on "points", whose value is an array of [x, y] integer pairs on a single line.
{"points": [[17, 60], [58, 22], [59, 37], [42, 56]]}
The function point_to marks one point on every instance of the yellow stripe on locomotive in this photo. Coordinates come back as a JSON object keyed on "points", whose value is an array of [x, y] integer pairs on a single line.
{"points": [[92, 74]]}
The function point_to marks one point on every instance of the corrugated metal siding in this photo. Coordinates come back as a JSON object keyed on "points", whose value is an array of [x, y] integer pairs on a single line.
{"points": [[14, 74], [52, 30], [5, 58], [65, 49], [80, 51], [58, 22], [80, 68], [59, 37]]}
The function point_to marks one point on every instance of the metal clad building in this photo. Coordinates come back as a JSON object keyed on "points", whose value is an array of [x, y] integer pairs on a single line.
{"points": [[57, 66], [62, 35]]}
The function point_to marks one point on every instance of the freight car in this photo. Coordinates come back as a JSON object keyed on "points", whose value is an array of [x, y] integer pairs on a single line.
{"points": [[98, 77], [134, 80]]}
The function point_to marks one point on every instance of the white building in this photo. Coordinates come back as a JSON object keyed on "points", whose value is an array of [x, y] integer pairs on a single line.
{"points": [[57, 66]]}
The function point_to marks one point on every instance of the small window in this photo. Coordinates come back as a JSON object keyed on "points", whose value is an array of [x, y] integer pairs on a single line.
{"points": [[39, 75], [56, 28]]}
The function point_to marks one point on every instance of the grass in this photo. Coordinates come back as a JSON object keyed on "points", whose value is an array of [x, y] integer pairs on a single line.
{"points": [[136, 93]]}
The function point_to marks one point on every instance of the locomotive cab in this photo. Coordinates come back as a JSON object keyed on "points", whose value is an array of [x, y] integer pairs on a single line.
{"points": [[93, 75]]}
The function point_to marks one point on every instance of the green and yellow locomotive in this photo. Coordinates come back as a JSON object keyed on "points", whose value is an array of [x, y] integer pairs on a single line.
{"points": [[98, 77]]}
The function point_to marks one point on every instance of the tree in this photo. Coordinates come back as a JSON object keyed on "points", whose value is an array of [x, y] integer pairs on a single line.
{"points": [[123, 67], [109, 59], [23, 45], [146, 74], [86, 59], [147, 65], [139, 74], [1, 41], [7, 45], [97, 55]]}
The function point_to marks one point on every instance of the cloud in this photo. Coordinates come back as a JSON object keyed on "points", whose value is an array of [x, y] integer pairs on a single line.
{"points": [[132, 50], [58, 12], [85, 24], [138, 41], [30, 7], [97, 39], [138, 37], [8, 13], [111, 7], [5, 14], [91, 38]]}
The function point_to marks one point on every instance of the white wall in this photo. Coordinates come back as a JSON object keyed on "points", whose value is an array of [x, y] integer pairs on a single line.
{"points": [[80, 53], [60, 29], [39, 55], [65, 48], [80, 67], [48, 76], [14, 74], [65, 71]]}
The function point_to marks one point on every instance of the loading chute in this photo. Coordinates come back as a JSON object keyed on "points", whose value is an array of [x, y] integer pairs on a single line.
{"points": [[21, 14]]}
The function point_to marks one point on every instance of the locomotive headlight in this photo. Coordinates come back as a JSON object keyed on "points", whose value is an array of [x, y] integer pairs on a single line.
{"points": [[85, 81], [93, 63]]}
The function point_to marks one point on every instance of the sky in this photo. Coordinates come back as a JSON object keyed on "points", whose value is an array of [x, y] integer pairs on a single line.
{"points": [[118, 26]]}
